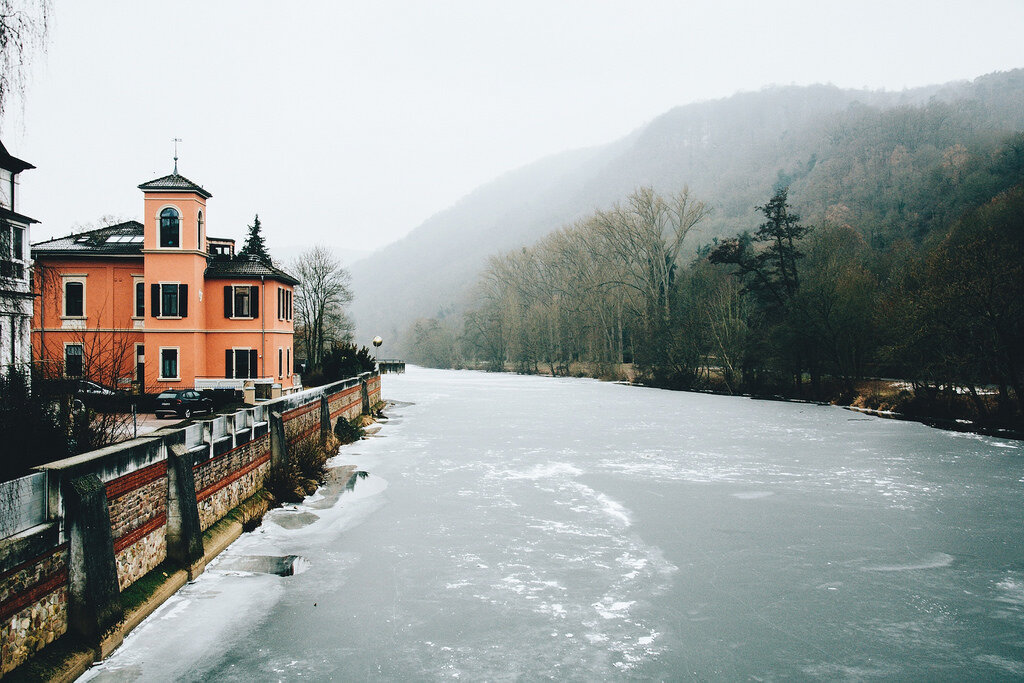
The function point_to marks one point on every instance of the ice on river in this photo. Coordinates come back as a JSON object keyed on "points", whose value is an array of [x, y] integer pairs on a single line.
{"points": [[524, 527]]}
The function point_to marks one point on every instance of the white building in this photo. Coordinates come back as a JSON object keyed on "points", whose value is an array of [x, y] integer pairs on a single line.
{"points": [[15, 278]]}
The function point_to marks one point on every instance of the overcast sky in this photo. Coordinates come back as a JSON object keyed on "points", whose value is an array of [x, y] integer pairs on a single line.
{"points": [[350, 123]]}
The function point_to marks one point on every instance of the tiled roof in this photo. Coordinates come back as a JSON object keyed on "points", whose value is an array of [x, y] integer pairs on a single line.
{"points": [[246, 266], [175, 183], [121, 239], [126, 239]]}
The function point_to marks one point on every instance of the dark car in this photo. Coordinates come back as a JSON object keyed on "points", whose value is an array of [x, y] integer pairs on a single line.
{"points": [[182, 402], [84, 387]]}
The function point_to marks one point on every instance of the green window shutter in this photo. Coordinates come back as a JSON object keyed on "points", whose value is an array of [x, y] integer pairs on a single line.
{"points": [[155, 300], [183, 301]]}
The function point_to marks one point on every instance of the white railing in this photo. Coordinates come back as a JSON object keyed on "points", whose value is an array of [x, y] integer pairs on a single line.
{"points": [[222, 383], [22, 504]]}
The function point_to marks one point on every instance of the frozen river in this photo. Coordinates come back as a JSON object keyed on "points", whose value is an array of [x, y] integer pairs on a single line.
{"points": [[528, 528]]}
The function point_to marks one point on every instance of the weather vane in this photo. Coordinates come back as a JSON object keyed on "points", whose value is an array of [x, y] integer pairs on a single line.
{"points": [[175, 141]]}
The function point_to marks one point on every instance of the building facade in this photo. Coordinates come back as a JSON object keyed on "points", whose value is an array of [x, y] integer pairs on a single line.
{"points": [[160, 305], [15, 277]]}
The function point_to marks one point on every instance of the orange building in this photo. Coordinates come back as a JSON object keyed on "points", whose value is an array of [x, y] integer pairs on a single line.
{"points": [[160, 305]]}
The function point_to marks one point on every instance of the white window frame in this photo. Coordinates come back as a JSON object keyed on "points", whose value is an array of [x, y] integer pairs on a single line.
{"points": [[20, 258], [177, 316], [200, 225], [159, 228], [160, 364], [234, 312], [136, 280], [81, 346], [253, 372], [65, 279], [140, 350]]}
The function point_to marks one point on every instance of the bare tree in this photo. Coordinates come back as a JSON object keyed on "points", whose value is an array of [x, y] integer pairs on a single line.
{"points": [[24, 25], [320, 302], [107, 357], [643, 240]]}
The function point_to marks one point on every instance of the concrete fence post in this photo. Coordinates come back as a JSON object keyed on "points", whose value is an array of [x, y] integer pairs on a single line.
{"points": [[94, 604], [184, 533], [278, 442], [325, 419], [364, 389]]}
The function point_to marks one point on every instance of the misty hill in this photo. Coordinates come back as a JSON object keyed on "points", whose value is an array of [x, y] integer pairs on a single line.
{"points": [[859, 157]]}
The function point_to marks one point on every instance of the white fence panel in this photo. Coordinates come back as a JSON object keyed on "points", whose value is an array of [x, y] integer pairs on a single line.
{"points": [[22, 504]]}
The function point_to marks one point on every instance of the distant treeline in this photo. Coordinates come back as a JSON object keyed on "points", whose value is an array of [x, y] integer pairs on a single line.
{"points": [[913, 270]]}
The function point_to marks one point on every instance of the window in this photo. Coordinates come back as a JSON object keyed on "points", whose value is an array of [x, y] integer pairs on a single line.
{"points": [[18, 244], [74, 298], [243, 297], [280, 362], [284, 304], [140, 298], [199, 232], [288, 362], [140, 364], [73, 360], [170, 223], [241, 364], [169, 300], [169, 363], [6, 189], [241, 301]]}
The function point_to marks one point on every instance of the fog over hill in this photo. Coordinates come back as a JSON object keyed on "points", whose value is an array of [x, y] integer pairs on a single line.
{"points": [[730, 152]]}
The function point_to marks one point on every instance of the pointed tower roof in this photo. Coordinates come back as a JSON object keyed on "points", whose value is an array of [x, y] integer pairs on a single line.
{"points": [[174, 183]]}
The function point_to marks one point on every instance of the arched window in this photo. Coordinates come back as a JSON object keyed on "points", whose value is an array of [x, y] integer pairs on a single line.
{"points": [[199, 233], [170, 222]]}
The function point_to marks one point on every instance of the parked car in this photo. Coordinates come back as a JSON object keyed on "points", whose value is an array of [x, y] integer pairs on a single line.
{"points": [[84, 387], [182, 402]]}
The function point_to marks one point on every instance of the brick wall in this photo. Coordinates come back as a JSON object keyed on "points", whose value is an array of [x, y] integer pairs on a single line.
{"points": [[34, 594], [226, 480], [373, 386], [347, 402], [33, 606], [302, 423], [138, 520]]}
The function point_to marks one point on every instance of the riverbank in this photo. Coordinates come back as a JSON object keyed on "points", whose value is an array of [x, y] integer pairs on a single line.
{"points": [[118, 523], [70, 657], [954, 409]]}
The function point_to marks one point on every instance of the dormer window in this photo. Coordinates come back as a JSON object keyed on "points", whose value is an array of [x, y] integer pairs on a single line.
{"points": [[170, 228]]}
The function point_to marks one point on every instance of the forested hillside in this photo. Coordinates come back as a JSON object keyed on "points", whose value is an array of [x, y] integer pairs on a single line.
{"points": [[904, 258], [891, 165]]}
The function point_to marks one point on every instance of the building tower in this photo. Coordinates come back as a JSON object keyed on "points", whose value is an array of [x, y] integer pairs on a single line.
{"points": [[175, 257]]}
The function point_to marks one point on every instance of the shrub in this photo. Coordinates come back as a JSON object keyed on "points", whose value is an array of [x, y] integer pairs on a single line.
{"points": [[348, 431], [341, 362]]}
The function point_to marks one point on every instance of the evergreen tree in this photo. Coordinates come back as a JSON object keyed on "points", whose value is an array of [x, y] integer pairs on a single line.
{"points": [[255, 243]]}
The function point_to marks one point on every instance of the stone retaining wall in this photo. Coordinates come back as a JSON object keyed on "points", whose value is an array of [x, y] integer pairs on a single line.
{"points": [[33, 606], [50, 577], [226, 480], [138, 515], [346, 403]]}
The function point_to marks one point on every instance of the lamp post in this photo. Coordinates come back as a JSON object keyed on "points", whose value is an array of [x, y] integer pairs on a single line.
{"points": [[377, 341]]}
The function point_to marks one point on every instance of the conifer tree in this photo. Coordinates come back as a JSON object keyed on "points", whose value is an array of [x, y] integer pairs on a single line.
{"points": [[255, 244]]}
